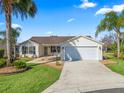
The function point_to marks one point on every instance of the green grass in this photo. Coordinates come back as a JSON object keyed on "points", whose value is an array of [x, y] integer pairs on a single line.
{"points": [[118, 67], [26, 59], [35, 80]]}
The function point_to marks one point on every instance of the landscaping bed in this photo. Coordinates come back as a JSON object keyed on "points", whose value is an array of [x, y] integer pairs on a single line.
{"points": [[16, 66], [114, 63], [11, 70], [54, 65], [117, 64], [118, 67], [106, 62], [35, 80]]}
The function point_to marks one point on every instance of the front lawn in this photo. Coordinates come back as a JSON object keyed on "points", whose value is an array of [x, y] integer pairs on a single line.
{"points": [[35, 80], [118, 67], [26, 59]]}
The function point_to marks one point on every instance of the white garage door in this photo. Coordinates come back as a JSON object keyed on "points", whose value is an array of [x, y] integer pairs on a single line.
{"points": [[81, 53]]}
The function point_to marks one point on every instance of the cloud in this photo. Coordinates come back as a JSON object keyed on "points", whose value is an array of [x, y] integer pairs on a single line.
{"points": [[86, 4], [71, 20], [49, 33], [116, 8], [16, 26], [103, 10], [13, 25]]}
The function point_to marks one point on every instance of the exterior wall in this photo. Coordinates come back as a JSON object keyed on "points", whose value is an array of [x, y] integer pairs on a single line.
{"points": [[41, 51], [49, 50], [100, 52], [28, 44], [81, 42]]}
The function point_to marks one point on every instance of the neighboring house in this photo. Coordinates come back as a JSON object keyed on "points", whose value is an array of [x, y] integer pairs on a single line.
{"points": [[70, 48], [3, 46], [122, 35]]}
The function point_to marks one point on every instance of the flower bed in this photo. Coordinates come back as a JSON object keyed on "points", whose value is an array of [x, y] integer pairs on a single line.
{"points": [[12, 70]]}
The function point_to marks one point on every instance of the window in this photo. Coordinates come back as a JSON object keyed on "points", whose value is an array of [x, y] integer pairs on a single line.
{"points": [[24, 50], [32, 50], [55, 49], [28, 50]]}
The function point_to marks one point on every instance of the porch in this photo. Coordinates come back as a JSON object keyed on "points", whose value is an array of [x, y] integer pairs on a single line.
{"points": [[39, 50], [49, 50]]}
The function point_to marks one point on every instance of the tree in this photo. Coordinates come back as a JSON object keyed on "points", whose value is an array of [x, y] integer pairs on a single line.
{"points": [[15, 34], [112, 22], [109, 40], [22, 8]]}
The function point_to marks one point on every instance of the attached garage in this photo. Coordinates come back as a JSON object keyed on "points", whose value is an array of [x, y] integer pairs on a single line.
{"points": [[81, 48]]}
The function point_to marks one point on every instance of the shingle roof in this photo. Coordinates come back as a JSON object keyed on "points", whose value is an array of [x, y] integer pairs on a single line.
{"points": [[51, 39]]}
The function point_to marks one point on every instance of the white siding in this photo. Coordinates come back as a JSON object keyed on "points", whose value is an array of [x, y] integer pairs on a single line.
{"points": [[41, 51], [81, 49], [28, 44]]}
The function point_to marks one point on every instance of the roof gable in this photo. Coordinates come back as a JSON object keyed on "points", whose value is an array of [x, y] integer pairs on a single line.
{"points": [[85, 38]]}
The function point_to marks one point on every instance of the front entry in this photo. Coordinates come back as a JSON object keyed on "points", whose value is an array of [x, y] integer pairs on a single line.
{"points": [[45, 51]]}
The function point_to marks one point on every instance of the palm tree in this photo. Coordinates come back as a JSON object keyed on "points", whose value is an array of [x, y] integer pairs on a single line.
{"points": [[22, 8], [112, 22], [14, 35]]}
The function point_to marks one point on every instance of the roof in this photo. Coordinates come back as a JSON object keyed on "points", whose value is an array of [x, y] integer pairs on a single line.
{"points": [[57, 39], [51, 39]]}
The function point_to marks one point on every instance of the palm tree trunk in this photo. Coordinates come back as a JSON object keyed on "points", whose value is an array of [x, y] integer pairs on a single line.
{"points": [[14, 51], [118, 45], [8, 38]]}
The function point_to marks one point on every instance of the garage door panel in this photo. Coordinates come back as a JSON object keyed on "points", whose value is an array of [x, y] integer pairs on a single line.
{"points": [[81, 53], [88, 53]]}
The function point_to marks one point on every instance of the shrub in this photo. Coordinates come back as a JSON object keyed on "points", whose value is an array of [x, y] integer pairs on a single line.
{"points": [[108, 55], [26, 59], [20, 64], [122, 55], [58, 58], [2, 62], [1, 53], [115, 54], [58, 62]]}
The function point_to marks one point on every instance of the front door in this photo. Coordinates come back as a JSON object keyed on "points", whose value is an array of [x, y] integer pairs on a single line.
{"points": [[45, 51]]}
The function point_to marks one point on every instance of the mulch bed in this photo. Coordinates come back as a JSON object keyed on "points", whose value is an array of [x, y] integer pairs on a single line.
{"points": [[11, 70], [107, 62], [58, 67]]}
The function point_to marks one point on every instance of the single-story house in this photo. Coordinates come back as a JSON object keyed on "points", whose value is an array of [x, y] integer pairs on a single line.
{"points": [[70, 48]]}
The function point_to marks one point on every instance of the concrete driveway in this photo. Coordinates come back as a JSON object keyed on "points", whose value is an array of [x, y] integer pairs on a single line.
{"points": [[84, 76]]}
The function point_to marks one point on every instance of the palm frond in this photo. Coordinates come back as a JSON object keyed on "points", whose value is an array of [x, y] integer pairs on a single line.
{"points": [[109, 23]]}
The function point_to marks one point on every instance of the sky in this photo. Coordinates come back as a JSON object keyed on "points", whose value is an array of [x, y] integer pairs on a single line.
{"points": [[64, 17]]}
